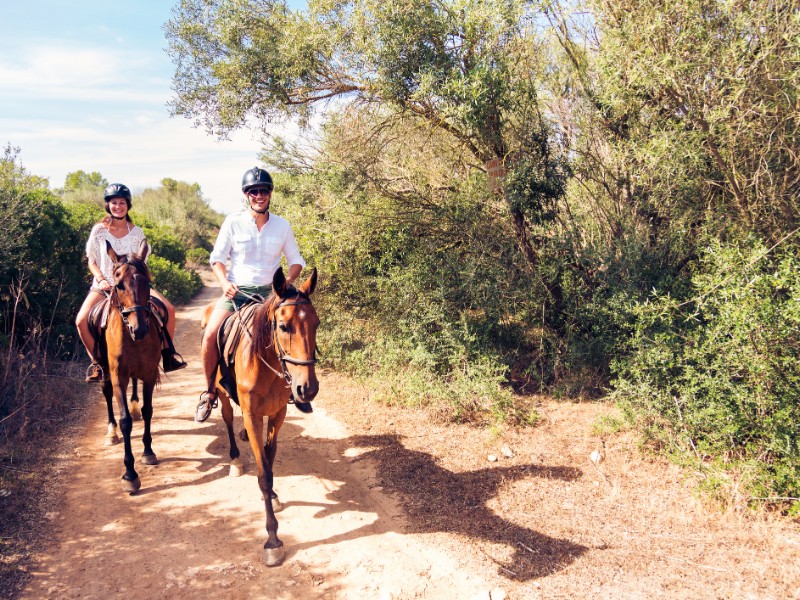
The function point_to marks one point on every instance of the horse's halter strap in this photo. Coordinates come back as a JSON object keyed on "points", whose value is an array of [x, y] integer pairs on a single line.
{"points": [[126, 310], [283, 356]]}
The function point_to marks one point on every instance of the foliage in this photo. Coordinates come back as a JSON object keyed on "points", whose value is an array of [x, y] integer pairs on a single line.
{"points": [[197, 258], [632, 138], [717, 376], [175, 282], [466, 70], [41, 282], [78, 179], [163, 243], [178, 208]]}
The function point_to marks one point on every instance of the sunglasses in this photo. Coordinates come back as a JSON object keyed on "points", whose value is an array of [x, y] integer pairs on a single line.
{"points": [[259, 192]]}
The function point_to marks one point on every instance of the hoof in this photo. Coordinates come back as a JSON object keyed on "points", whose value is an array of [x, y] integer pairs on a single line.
{"points": [[274, 556], [150, 459], [131, 486], [111, 435], [136, 414], [276, 503], [237, 468]]}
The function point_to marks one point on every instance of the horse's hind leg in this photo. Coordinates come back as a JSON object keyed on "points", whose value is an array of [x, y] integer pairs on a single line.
{"points": [[148, 456], [236, 468], [136, 414], [112, 434]]}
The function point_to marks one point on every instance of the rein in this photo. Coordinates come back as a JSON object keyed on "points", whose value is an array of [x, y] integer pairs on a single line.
{"points": [[283, 356]]}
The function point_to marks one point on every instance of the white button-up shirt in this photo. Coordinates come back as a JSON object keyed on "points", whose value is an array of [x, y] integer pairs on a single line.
{"points": [[255, 255]]}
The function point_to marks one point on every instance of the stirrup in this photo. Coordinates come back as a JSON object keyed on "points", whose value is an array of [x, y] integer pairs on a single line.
{"points": [[171, 362], [94, 373], [204, 408]]}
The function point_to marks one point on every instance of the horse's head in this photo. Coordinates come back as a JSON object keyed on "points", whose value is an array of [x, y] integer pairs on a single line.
{"points": [[295, 325], [132, 289]]}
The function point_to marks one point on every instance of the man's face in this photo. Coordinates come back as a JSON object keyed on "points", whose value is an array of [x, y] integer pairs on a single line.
{"points": [[259, 198]]}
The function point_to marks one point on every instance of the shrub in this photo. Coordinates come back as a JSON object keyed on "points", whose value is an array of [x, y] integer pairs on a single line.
{"points": [[175, 282], [717, 377], [197, 258]]}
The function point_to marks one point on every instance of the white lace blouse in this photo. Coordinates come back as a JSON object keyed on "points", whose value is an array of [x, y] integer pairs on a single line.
{"points": [[96, 248]]}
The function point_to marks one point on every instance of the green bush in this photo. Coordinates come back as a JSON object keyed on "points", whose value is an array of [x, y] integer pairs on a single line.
{"points": [[716, 378], [164, 244], [197, 258], [178, 284]]}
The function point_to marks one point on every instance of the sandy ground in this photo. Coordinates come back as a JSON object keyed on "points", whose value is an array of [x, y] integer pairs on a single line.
{"points": [[194, 531], [391, 504]]}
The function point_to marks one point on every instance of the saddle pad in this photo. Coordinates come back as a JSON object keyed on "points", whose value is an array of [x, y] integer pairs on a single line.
{"points": [[228, 337], [98, 321], [98, 317]]}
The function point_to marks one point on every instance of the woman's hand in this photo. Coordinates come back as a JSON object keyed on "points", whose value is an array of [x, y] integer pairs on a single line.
{"points": [[105, 285]]}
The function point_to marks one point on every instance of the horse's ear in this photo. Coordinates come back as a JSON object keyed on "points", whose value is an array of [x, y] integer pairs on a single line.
{"points": [[144, 250], [309, 284], [110, 251], [279, 283]]}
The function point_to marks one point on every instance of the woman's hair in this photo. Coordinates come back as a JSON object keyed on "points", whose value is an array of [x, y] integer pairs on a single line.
{"points": [[106, 221]]}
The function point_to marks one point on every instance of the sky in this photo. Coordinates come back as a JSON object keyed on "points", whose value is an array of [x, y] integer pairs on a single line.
{"points": [[84, 86]]}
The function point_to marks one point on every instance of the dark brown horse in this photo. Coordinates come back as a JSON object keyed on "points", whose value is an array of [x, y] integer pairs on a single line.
{"points": [[275, 356], [130, 348]]}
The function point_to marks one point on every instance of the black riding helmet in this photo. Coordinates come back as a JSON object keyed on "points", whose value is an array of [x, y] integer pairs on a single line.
{"points": [[117, 190], [256, 178]]}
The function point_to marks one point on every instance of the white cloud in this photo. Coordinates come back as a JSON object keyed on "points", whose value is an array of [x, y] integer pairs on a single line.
{"points": [[71, 105], [140, 153]]}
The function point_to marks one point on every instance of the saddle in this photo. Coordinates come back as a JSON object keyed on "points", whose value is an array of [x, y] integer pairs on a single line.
{"points": [[228, 338], [98, 321]]}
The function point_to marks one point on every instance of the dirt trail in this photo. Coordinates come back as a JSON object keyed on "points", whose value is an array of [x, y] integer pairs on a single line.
{"points": [[193, 531]]}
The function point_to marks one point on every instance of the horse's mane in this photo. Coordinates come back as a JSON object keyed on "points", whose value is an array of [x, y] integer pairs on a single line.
{"points": [[263, 318]]}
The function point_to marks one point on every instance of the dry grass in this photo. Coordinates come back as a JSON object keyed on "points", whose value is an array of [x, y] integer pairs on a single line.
{"points": [[42, 416], [549, 523]]}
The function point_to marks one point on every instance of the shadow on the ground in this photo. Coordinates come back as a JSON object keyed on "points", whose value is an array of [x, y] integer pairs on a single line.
{"points": [[438, 500]]}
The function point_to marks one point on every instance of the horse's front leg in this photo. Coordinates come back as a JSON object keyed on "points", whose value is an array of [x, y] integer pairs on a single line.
{"points": [[112, 434], [236, 468], [130, 480], [148, 457], [136, 413], [271, 449], [274, 552]]}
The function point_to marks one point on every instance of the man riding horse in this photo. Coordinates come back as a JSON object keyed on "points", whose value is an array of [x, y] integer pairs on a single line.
{"points": [[254, 240]]}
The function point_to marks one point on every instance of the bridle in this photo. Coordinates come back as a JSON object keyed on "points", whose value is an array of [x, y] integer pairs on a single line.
{"points": [[283, 356], [124, 311]]}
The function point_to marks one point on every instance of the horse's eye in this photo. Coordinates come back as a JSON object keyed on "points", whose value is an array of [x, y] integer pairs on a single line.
{"points": [[283, 328], [120, 286]]}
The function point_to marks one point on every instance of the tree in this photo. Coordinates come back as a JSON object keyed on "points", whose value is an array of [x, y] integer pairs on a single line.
{"points": [[79, 179], [468, 69]]}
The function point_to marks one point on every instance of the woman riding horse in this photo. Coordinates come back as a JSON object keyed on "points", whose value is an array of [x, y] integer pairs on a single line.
{"points": [[118, 230]]}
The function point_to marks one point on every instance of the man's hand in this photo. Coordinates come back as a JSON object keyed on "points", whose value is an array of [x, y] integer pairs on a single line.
{"points": [[229, 289]]}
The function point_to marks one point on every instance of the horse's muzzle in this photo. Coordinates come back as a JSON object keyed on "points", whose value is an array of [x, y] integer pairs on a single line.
{"points": [[139, 331], [305, 391]]}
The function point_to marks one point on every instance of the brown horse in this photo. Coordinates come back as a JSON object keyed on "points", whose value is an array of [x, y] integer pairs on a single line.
{"points": [[130, 348], [275, 357]]}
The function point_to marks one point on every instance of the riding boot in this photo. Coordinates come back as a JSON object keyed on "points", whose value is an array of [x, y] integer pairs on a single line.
{"points": [[169, 360], [168, 354]]}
